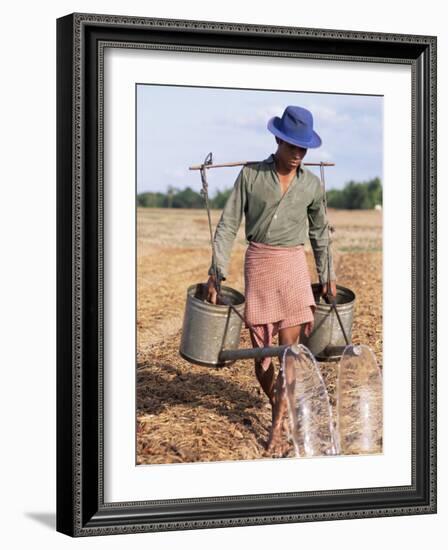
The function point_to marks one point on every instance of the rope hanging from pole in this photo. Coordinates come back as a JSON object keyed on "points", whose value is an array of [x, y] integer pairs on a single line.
{"points": [[204, 192]]}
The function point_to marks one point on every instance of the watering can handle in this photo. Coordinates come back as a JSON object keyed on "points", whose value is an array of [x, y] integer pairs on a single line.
{"points": [[332, 300]]}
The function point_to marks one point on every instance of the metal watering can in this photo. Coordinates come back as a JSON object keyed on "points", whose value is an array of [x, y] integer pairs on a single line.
{"points": [[332, 330], [208, 329]]}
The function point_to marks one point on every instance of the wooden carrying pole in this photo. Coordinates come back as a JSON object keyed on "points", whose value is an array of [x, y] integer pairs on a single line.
{"points": [[244, 162]]}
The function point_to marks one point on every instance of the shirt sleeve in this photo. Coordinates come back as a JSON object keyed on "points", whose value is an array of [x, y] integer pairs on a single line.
{"points": [[228, 226], [319, 236]]}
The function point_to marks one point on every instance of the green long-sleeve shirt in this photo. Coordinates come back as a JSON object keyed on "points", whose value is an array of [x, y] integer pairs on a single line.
{"points": [[274, 219]]}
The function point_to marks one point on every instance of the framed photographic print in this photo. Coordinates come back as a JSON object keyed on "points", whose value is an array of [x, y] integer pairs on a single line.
{"points": [[246, 274]]}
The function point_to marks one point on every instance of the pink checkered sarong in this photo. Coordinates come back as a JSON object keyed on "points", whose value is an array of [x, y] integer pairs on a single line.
{"points": [[277, 290]]}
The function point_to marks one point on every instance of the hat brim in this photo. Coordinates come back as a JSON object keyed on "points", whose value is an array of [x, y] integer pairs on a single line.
{"points": [[314, 142]]}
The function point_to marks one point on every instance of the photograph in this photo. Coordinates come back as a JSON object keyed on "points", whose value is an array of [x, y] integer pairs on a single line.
{"points": [[259, 261]]}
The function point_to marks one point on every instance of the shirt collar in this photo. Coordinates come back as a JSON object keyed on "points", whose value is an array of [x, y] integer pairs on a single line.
{"points": [[271, 160]]}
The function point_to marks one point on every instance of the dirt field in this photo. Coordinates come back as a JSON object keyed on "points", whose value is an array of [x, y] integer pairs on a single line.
{"points": [[187, 413]]}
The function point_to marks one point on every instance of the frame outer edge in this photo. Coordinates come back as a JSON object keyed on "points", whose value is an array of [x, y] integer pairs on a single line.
{"points": [[433, 273], [227, 26], [70, 517], [65, 494]]}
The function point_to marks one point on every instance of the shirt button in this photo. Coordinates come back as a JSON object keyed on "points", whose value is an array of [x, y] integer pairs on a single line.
{"points": [[275, 217]]}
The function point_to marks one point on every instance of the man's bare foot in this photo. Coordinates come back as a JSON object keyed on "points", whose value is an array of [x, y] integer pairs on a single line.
{"points": [[279, 443], [274, 445], [278, 450]]}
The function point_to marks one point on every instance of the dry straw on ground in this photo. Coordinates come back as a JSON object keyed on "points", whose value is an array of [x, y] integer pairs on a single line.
{"points": [[187, 413]]}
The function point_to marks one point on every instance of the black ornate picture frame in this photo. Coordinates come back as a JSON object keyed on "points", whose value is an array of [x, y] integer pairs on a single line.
{"points": [[81, 509]]}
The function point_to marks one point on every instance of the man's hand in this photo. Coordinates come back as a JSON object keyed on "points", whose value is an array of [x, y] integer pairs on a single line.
{"points": [[332, 289], [212, 292]]}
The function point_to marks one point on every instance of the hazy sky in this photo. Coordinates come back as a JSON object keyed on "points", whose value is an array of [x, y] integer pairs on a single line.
{"points": [[177, 126]]}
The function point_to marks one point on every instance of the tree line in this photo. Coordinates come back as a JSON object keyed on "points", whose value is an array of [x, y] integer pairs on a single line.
{"points": [[181, 198], [355, 195]]}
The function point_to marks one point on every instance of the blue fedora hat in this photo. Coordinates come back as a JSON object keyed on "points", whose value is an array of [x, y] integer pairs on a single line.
{"points": [[296, 127]]}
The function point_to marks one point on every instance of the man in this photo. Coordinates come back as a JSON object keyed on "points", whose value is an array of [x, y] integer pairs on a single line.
{"points": [[277, 196]]}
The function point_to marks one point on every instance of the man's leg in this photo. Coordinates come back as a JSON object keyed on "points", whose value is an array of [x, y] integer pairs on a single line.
{"points": [[287, 336], [266, 378], [264, 369]]}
